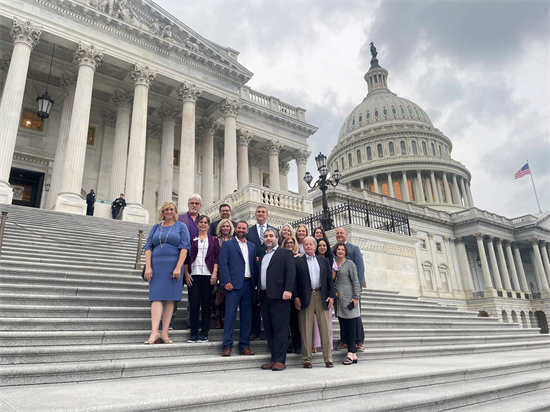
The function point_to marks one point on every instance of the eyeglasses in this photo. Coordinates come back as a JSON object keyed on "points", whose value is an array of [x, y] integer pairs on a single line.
{"points": [[289, 243], [194, 203]]}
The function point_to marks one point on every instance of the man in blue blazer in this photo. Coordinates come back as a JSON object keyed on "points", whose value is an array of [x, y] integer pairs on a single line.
{"points": [[356, 257], [237, 265]]}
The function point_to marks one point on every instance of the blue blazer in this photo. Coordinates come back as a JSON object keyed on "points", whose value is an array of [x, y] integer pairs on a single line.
{"points": [[231, 263], [356, 257]]}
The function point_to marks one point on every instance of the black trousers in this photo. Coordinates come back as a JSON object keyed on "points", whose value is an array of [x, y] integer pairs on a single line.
{"points": [[359, 330], [115, 212], [90, 209], [295, 328], [276, 317], [348, 331], [199, 298]]}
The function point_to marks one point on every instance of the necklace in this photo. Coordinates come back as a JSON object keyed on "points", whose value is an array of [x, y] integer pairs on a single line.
{"points": [[168, 234]]}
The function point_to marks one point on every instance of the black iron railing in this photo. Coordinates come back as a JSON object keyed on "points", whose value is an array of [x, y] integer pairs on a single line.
{"points": [[357, 214], [536, 295]]}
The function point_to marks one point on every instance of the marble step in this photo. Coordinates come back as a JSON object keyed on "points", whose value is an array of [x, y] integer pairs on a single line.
{"points": [[14, 274], [73, 290], [372, 331], [69, 255], [37, 243], [436, 318], [89, 262], [88, 268], [529, 401], [393, 309], [134, 283]]}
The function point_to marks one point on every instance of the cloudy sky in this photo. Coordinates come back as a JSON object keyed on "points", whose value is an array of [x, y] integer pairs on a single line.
{"points": [[479, 69]]}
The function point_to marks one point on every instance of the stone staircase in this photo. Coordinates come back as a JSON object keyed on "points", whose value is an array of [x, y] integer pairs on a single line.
{"points": [[77, 312]]}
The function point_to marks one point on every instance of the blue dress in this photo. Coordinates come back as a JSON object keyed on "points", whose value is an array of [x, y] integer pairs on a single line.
{"points": [[164, 260]]}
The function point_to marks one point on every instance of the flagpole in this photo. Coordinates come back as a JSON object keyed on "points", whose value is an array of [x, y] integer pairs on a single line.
{"points": [[532, 181]]}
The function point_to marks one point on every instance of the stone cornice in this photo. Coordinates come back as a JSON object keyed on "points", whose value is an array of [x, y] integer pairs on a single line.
{"points": [[273, 117]]}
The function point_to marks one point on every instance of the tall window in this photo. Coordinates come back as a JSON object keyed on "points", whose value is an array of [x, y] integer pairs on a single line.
{"points": [[90, 139], [369, 153], [411, 191], [397, 190], [31, 121], [350, 163], [415, 151], [444, 280], [343, 167], [371, 188], [392, 150], [385, 189], [433, 149], [403, 148], [359, 160], [442, 186], [428, 277], [424, 149], [380, 152], [440, 152]]}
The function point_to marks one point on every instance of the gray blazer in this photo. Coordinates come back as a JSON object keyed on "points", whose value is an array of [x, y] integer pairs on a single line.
{"points": [[347, 287]]}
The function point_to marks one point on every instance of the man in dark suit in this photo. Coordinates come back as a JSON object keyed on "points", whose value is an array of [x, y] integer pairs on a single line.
{"points": [[225, 213], [256, 236], [276, 277], [356, 257], [314, 295], [117, 205], [237, 264], [90, 203]]}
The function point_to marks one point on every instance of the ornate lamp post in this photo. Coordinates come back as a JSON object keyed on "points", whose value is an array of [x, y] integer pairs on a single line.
{"points": [[323, 182]]}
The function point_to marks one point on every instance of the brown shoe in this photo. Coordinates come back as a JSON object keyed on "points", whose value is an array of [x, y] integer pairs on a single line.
{"points": [[247, 351], [360, 347], [329, 365], [226, 352], [268, 365], [254, 337], [343, 346], [278, 366], [307, 365]]}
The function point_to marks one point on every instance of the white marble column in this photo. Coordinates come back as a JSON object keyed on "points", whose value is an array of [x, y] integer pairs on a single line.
{"points": [[25, 37], [545, 261], [221, 157], [69, 198], [464, 195], [420, 198], [273, 147], [67, 83], [520, 270], [502, 266], [284, 168], [439, 191], [375, 184], [230, 111], [434, 188], [469, 194], [540, 267], [456, 192], [391, 191], [123, 101], [489, 289], [134, 211], [513, 272], [189, 94], [362, 183], [168, 114], [208, 127], [469, 287], [405, 188], [494, 264], [301, 156], [254, 160], [243, 138], [447, 191]]}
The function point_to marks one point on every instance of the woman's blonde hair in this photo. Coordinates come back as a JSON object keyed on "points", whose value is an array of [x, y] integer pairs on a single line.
{"points": [[219, 228], [305, 227], [163, 207], [291, 230], [295, 250]]}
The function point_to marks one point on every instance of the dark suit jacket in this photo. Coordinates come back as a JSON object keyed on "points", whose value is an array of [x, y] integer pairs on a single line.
{"points": [[90, 198], [212, 254], [231, 263], [214, 226], [118, 203], [356, 257], [302, 289], [281, 274], [254, 237]]}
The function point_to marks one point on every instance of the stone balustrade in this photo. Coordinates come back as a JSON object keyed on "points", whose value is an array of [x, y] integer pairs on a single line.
{"points": [[272, 103]]}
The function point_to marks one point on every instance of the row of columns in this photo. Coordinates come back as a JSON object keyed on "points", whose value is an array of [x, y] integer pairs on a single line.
{"points": [[508, 257], [460, 188]]}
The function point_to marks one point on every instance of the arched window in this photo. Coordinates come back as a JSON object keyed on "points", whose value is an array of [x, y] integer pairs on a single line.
{"points": [[393, 111], [385, 112], [360, 118], [392, 150], [403, 148], [353, 122], [402, 110], [369, 153], [375, 112], [385, 191], [350, 163], [424, 149], [411, 191], [410, 112], [427, 268], [440, 152], [368, 115], [371, 188], [397, 190], [380, 152], [415, 151], [433, 149], [358, 156], [444, 278], [342, 163]]}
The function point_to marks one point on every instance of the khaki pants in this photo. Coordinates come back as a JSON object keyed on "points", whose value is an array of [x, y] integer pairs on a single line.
{"points": [[306, 327]]}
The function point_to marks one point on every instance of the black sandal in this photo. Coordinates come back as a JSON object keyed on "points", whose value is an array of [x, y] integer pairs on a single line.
{"points": [[354, 361], [348, 361]]}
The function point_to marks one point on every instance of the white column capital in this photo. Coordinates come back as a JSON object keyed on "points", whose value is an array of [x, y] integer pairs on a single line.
{"points": [[88, 56], [244, 137], [142, 75], [273, 147], [209, 125], [67, 81], [122, 98], [230, 108], [479, 236], [301, 155], [534, 241], [25, 32], [189, 92], [154, 131], [168, 113]]}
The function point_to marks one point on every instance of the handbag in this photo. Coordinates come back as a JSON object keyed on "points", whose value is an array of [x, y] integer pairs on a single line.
{"points": [[145, 266]]}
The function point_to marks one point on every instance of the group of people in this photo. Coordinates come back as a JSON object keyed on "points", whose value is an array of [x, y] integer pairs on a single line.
{"points": [[290, 280]]}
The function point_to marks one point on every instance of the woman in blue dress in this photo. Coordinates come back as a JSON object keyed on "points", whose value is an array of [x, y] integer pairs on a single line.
{"points": [[165, 253]]}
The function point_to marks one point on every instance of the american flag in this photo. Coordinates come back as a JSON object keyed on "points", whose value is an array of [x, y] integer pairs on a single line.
{"points": [[523, 171]]}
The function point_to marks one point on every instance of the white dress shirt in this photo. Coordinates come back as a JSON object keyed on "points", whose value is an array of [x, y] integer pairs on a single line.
{"points": [[314, 271], [244, 251], [265, 263], [199, 265]]}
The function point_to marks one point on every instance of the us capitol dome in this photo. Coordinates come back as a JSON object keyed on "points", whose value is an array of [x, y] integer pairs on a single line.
{"points": [[389, 145]]}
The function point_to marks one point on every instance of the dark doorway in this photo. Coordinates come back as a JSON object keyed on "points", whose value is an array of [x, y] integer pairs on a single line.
{"points": [[543, 324], [27, 187]]}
